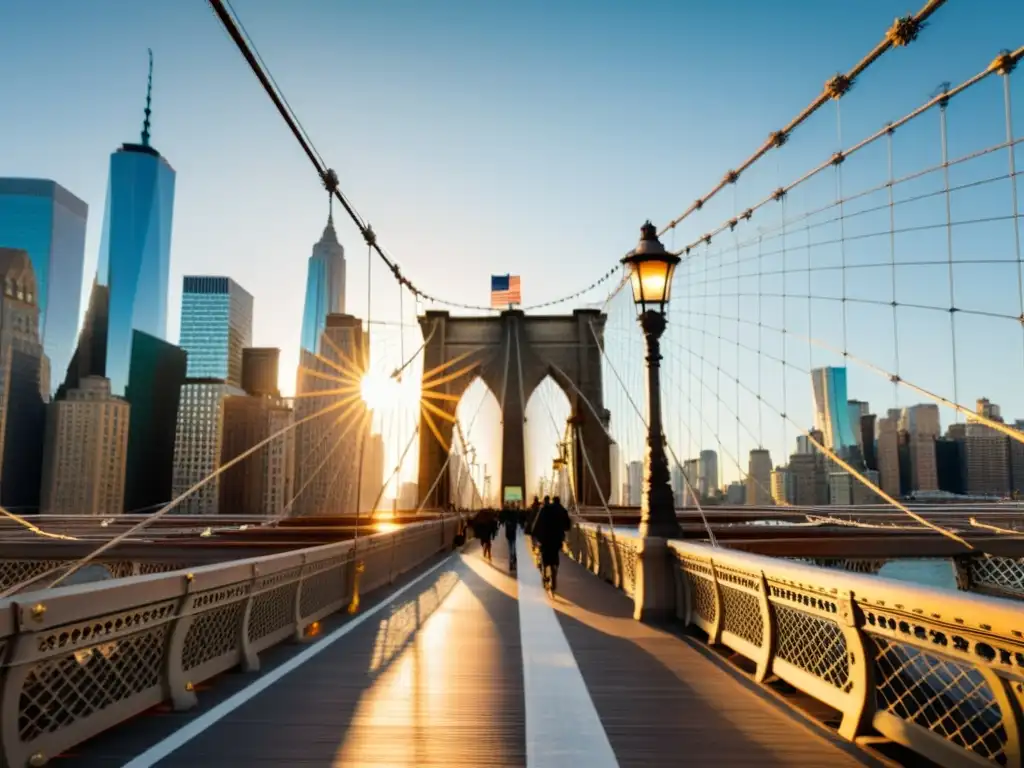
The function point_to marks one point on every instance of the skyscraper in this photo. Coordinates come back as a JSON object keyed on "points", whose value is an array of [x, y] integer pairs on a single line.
{"points": [[325, 287], [198, 442], [42, 218], [23, 383], [328, 446], [831, 409], [216, 325], [135, 252], [373, 473], [759, 477], [86, 445], [708, 480], [154, 392]]}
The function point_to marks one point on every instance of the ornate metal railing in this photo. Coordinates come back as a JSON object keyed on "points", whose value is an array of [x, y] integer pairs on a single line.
{"points": [[77, 660], [610, 554], [938, 671]]}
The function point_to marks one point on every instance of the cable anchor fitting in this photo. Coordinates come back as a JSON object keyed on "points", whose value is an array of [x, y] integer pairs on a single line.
{"points": [[838, 86], [778, 138], [369, 236], [329, 178], [904, 31], [1004, 63]]}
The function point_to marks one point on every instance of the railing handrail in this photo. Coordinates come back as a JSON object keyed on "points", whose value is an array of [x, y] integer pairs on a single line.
{"points": [[980, 613], [71, 603]]}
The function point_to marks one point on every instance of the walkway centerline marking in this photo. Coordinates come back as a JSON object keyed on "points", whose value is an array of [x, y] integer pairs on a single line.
{"points": [[194, 727], [562, 724]]}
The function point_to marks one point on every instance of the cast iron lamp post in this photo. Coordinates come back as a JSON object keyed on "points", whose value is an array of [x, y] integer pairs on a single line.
{"points": [[650, 273]]}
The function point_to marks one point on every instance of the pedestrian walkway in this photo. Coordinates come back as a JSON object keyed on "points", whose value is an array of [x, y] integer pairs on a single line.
{"points": [[467, 665]]}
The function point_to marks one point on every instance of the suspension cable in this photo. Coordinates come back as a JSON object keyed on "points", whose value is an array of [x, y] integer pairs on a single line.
{"points": [[902, 32]]}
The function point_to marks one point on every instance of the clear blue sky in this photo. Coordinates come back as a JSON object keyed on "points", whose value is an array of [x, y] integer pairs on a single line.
{"points": [[477, 138]]}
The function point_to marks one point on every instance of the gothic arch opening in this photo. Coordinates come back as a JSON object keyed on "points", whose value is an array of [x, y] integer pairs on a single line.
{"points": [[547, 414], [475, 447]]}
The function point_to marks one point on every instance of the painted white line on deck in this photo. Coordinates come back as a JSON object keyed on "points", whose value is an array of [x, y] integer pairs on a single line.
{"points": [[562, 724], [186, 733]]}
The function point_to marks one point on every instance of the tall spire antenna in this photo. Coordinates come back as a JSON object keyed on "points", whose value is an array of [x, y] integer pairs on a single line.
{"points": [[149, 96]]}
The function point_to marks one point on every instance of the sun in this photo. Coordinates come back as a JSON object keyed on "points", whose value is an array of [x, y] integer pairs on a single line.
{"points": [[382, 392]]}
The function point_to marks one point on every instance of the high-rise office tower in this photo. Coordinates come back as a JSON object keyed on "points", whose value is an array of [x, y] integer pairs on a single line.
{"points": [[198, 441], [783, 486], [920, 423], [260, 368], [987, 461], [858, 409], [24, 383], [867, 431], [41, 217], [86, 449], [135, 253], [328, 446], [707, 482], [831, 409], [373, 473], [155, 379], [634, 483], [615, 470], [263, 483], [759, 478], [888, 455], [216, 325], [325, 287], [805, 479]]}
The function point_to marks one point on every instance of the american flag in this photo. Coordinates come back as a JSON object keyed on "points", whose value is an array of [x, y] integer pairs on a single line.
{"points": [[505, 291]]}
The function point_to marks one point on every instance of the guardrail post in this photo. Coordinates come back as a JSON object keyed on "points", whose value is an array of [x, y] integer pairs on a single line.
{"points": [[684, 595], [299, 634], [1010, 698], [250, 659], [962, 571], [769, 634], [859, 712], [179, 687], [715, 634], [654, 590], [19, 646]]}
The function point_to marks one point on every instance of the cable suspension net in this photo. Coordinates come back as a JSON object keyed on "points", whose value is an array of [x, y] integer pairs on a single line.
{"points": [[807, 361]]}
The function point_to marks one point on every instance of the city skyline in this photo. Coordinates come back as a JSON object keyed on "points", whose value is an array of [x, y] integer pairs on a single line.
{"points": [[290, 210]]}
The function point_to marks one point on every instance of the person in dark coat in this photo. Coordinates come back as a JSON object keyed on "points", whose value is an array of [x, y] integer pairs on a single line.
{"points": [[553, 523], [484, 528], [510, 520]]}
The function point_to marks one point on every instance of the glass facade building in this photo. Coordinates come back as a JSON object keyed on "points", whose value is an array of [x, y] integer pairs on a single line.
{"points": [[325, 287], [135, 254], [154, 393], [41, 217], [831, 409], [216, 325]]}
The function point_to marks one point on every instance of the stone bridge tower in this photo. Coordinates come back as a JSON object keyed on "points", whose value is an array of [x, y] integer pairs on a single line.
{"points": [[512, 353]]}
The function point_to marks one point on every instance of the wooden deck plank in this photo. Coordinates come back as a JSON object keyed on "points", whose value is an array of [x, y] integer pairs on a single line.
{"points": [[663, 702]]}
